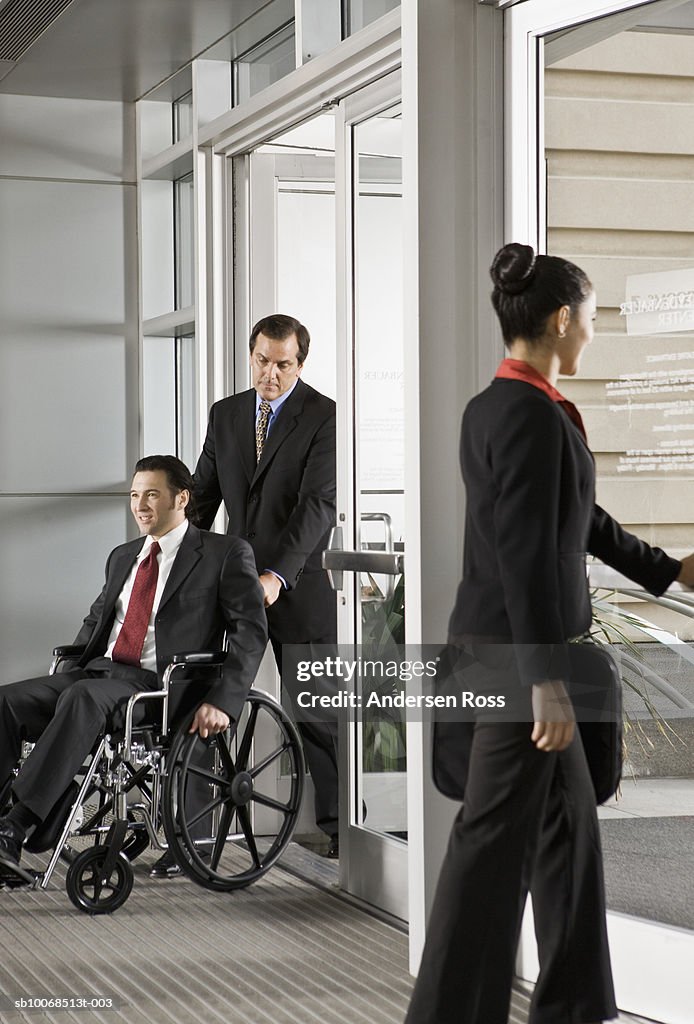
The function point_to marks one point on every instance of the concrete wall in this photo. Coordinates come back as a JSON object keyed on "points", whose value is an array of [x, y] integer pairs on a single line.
{"points": [[68, 363]]}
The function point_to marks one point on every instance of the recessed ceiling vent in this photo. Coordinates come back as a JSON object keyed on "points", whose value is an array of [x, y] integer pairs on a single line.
{"points": [[23, 21]]}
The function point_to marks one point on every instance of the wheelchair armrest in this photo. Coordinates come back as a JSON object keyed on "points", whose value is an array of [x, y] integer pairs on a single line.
{"points": [[65, 653], [199, 658]]}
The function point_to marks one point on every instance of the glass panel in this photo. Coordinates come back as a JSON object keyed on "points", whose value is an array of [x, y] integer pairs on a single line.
{"points": [[303, 217], [187, 447], [182, 114], [359, 13], [157, 248], [266, 63], [619, 189], [159, 396], [292, 193], [184, 234], [169, 398], [379, 469]]}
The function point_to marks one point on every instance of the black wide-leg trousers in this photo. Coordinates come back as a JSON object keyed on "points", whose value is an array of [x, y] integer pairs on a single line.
{"points": [[528, 822], [64, 715]]}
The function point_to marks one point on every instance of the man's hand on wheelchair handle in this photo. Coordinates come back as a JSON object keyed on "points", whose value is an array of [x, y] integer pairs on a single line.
{"points": [[209, 720]]}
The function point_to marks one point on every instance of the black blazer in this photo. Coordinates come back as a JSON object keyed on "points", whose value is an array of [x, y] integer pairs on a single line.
{"points": [[284, 506], [530, 519], [212, 587]]}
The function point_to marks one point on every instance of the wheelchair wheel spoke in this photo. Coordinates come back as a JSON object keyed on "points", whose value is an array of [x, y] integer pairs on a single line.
{"points": [[268, 801], [94, 884], [224, 822], [245, 821], [267, 761], [203, 773], [205, 810], [244, 747], [225, 755]]}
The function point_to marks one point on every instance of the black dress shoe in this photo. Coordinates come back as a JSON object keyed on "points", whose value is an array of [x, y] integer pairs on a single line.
{"points": [[11, 839], [165, 867], [334, 848]]}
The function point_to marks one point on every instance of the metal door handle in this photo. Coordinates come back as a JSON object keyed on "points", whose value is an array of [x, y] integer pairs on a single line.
{"points": [[338, 561], [381, 517]]}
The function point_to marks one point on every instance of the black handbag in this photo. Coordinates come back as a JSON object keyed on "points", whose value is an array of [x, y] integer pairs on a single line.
{"points": [[595, 688]]}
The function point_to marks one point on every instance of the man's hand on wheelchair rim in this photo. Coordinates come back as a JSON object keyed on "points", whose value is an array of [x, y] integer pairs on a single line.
{"points": [[209, 720]]}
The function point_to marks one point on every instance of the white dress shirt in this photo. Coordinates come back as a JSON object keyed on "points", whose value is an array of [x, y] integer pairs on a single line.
{"points": [[169, 544]]}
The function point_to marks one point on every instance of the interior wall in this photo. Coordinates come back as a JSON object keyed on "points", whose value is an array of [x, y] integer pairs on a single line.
{"points": [[68, 363]]}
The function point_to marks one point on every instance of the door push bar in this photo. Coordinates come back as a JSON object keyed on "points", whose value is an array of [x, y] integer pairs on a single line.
{"points": [[338, 561]]}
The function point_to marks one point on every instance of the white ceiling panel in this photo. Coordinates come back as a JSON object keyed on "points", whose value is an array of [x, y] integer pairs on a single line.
{"points": [[108, 50]]}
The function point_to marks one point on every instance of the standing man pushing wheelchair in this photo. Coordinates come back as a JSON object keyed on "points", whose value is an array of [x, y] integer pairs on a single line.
{"points": [[174, 589], [269, 456]]}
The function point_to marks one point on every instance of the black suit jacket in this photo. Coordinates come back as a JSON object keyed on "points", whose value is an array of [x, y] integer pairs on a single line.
{"points": [[212, 587], [284, 506], [531, 517]]}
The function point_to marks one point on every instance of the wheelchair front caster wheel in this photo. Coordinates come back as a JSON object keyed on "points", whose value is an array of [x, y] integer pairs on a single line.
{"points": [[88, 890]]}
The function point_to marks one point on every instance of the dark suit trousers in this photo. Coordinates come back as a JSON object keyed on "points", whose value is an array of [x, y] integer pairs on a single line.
{"points": [[318, 737], [528, 821], [64, 715]]}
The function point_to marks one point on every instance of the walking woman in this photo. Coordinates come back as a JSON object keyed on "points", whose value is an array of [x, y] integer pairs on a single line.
{"points": [[529, 820]]}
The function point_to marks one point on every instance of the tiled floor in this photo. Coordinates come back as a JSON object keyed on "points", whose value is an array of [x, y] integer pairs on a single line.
{"points": [[283, 951]]}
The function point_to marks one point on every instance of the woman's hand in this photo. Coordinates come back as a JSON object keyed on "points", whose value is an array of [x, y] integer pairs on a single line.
{"points": [[553, 712]]}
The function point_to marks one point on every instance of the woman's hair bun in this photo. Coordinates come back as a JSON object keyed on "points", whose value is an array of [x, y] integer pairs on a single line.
{"points": [[513, 268]]}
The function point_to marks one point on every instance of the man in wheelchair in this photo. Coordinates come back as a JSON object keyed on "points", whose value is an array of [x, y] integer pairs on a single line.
{"points": [[174, 589]]}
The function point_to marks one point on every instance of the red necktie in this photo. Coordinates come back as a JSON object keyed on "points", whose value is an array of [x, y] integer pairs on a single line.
{"points": [[128, 646]]}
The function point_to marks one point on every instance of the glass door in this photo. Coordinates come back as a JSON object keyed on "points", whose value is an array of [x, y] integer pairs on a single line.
{"points": [[285, 191], [323, 202], [600, 117], [369, 548]]}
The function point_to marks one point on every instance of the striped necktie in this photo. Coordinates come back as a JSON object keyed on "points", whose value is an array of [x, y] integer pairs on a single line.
{"points": [[261, 428]]}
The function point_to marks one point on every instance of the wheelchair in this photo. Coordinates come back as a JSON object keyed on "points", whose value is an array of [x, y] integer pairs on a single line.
{"points": [[206, 795]]}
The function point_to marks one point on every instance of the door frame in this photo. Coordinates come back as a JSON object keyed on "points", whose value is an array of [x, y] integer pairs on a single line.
{"points": [[651, 961], [373, 866]]}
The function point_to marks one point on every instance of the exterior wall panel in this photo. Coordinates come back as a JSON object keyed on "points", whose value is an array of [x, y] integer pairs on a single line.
{"points": [[68, 364], [620, 162]]}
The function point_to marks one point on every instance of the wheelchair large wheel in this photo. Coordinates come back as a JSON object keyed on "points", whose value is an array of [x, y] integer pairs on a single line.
{"points": [[88, 891], [222, 826]]}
